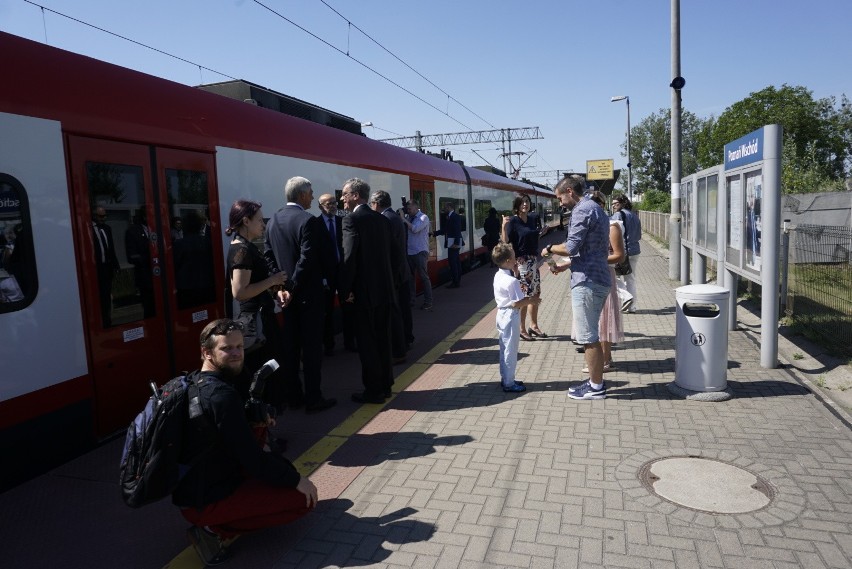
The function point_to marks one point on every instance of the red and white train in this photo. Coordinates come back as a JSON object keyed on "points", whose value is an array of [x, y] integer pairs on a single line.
{"points": [[77, 134]]}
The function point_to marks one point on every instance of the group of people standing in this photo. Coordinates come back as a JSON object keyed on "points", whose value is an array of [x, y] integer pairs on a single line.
{"points": [[360, 260], [243, 482], [595, 243]]}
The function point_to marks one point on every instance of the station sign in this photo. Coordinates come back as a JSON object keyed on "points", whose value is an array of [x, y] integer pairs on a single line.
{"points": [[745, 150], [599, 169]]}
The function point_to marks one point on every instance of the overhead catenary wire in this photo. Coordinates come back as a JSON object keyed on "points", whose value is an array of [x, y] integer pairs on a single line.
{"points": [[43, 8], [359, 62], [259, 3], [392, 54]]}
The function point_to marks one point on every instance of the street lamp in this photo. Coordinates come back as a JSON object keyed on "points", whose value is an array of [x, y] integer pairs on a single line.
{"points": [[629, 171]]}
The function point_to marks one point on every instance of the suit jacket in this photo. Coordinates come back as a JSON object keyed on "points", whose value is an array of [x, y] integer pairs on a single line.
{"points": [[337, 261], [368, 266], [399, 233], [300, 245], [108, 247], [452, 230]]}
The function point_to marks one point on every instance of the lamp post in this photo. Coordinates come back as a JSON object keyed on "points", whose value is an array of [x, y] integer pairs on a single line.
{"points": [[629, 170]]}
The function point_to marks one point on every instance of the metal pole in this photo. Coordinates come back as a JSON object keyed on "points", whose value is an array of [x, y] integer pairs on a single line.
{"points": [[674, 223], [770, 242], [629, 165]]}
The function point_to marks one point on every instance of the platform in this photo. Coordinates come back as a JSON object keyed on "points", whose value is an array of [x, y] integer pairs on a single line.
{"points": [[452, 472]]}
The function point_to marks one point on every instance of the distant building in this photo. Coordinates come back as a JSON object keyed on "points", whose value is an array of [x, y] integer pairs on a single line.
{"points": [[823, 223]]}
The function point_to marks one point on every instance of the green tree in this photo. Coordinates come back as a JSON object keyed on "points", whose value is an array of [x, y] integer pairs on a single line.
{"points": [[650, 150], [656, 200], [816, 135]]}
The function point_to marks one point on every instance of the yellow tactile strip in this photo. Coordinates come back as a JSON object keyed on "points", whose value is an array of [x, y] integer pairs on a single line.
{"points": [[425, 374]]}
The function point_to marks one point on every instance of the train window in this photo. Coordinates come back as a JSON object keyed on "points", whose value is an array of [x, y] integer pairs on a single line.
{"points": [[121, 239], [480, 212], [191, 237], [460, 206], [18, 277]]}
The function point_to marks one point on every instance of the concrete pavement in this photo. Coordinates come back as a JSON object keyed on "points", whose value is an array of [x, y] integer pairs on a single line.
{"points": [[478, 478], [452, 472]]}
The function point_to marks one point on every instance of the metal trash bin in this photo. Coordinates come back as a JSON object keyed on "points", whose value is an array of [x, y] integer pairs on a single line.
{"points": [[701, 338]]}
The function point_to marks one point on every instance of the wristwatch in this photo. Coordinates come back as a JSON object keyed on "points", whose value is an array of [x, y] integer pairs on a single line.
{"points": [[549, 247]]}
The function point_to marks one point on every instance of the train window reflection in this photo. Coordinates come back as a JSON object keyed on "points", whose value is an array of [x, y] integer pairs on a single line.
{"points": [[190, 232], [121, 242], [18, 277]]}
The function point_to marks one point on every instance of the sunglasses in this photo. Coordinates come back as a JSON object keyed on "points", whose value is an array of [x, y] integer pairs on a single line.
{"points": [[223, 328]]}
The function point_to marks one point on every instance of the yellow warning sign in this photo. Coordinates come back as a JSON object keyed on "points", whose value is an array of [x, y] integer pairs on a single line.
{"points": [[599, 169]]}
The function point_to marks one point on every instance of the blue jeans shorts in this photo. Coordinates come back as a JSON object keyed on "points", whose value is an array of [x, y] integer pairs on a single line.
{"points": [[587, 300]]}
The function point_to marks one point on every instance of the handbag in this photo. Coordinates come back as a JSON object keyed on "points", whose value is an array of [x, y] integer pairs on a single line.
{"points": [[253, 337], [623, 268]]}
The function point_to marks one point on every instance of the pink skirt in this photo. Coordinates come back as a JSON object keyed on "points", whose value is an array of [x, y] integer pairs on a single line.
{"points": [[611, 327]]}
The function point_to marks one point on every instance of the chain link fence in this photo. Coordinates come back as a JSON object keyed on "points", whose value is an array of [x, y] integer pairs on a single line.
{"points": [[819, 285], [818, 301]]}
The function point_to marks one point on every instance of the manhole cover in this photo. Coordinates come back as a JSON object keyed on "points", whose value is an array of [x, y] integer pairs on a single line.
{"points": [[706, 485]]}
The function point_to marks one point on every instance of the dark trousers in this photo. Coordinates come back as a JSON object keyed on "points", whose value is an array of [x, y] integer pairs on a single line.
{"points": [[455, 265], [302, 339], [275, 388], [372, 330], [346, 320], [401, 324]]}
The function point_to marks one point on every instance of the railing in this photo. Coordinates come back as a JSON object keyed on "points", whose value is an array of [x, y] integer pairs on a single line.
{"points": [[819, 285], [656, 223], [819, 280]]}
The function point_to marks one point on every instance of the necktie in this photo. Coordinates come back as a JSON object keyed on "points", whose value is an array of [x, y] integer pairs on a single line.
{"points": [[333, 237]]}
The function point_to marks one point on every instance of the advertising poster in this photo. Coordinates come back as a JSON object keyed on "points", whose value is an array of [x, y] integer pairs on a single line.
{"points": [[735, 216], [754, 193]]}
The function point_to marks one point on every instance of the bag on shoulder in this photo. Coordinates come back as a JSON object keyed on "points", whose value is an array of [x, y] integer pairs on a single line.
{"points": [[154, 458], [253, 337], [623, 268]]}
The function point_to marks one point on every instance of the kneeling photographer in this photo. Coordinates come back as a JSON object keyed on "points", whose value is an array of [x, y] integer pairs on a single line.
{"points": [[235, 486]]}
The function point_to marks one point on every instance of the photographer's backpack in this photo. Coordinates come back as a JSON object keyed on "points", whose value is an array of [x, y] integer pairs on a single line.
{"points": [[153, 460]]}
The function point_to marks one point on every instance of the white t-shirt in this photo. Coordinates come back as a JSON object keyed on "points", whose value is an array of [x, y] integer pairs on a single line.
{"points": [[507, 289]]}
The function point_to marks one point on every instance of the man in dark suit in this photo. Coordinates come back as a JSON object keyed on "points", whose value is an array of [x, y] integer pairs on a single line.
{"points": [[298, 241], [401, 326], [137, 246], [366, 281], [106, 262], [333, 223], [453, 242]]}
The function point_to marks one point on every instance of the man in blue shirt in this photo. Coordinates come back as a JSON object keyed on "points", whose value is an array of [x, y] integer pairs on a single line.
{"points": [[418, 252], [587, 246]]}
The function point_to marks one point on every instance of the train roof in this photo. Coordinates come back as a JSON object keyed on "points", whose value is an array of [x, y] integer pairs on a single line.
{"points": [[91, 97]]}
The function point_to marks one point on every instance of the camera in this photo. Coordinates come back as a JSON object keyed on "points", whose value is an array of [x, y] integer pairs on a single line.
{"points": [[257, 410], [404, 201], [272, 267]]}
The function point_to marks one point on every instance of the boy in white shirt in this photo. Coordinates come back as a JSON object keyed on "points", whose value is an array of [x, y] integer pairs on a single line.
{"points": [[509, 298]]}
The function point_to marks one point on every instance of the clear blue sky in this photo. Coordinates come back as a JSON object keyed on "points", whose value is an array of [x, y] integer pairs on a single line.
{"points": [[554, 64]]}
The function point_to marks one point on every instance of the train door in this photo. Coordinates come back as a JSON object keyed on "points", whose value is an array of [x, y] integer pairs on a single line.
{"points": [[424, 193], [138, 320]]}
